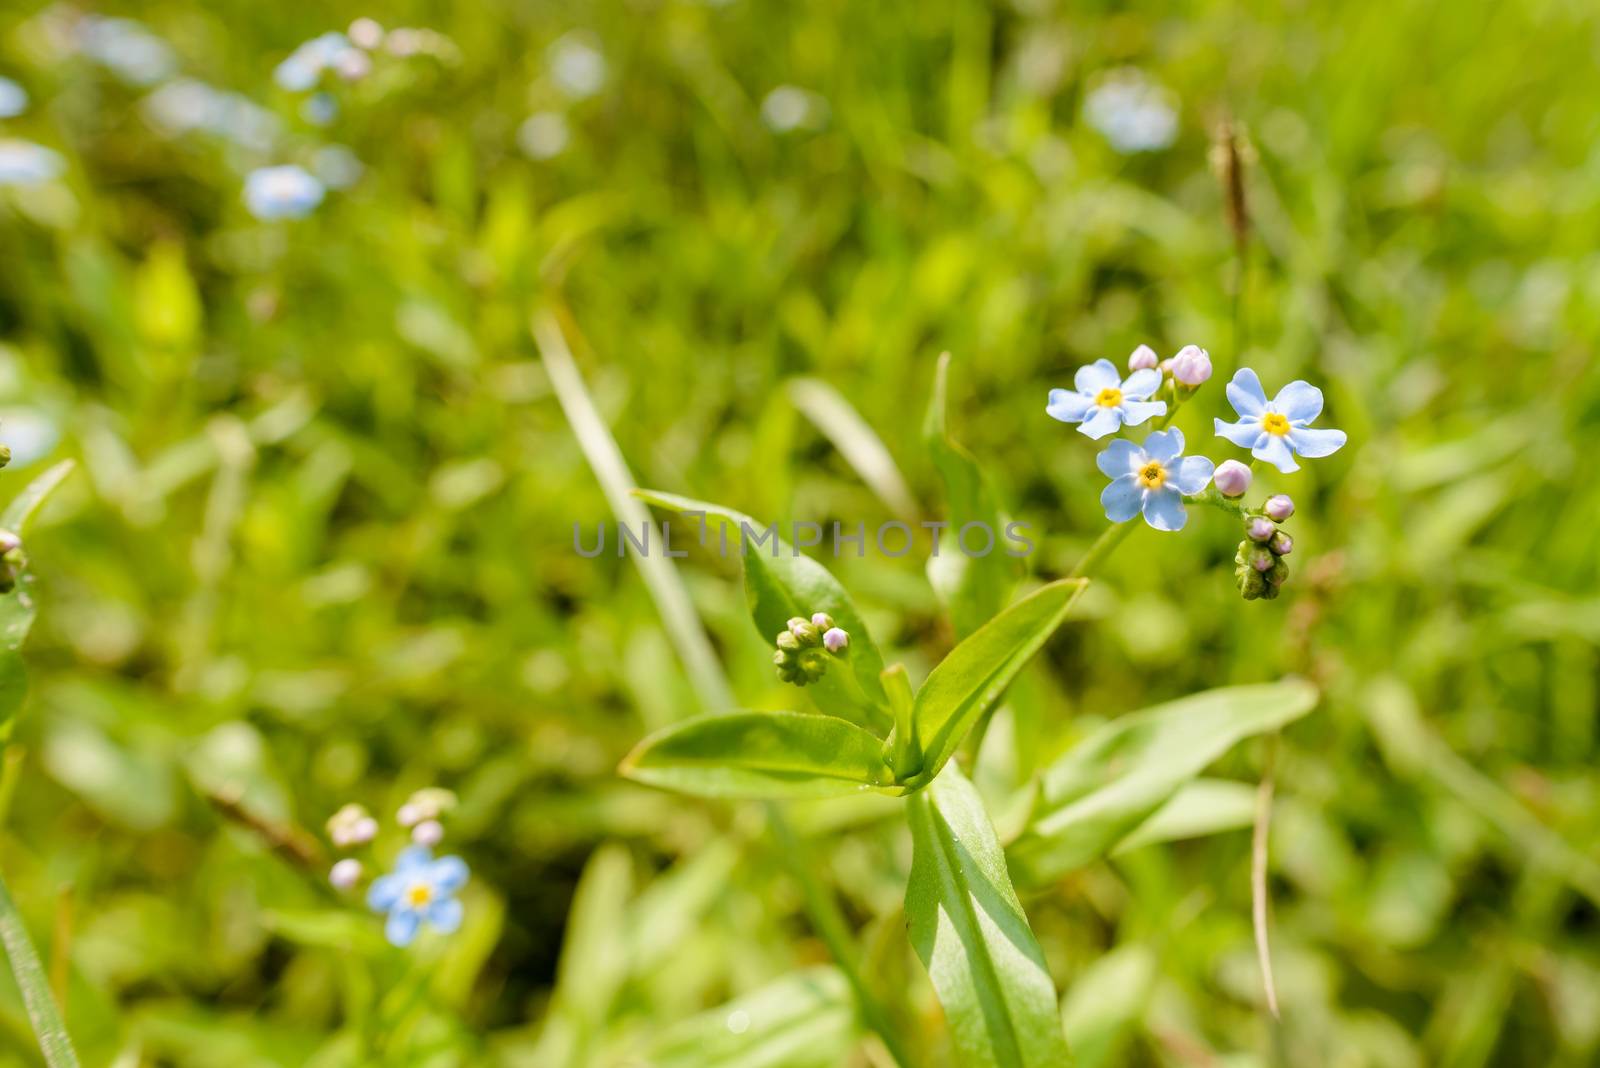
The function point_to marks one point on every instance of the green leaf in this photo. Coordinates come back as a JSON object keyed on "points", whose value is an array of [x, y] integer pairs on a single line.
{"points": [[761, 754], [973, 678], [17, 607], [1199, 808], [1105, 1003], [780, 582], [23, 506], [1119, 776], [803, 1020], [970, 931], [973, 588]]}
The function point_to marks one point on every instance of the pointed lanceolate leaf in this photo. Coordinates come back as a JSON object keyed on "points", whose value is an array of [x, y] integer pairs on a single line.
{"points": [[780, 583], [761, 754], [973, 678], [970, 931], [973, 588], [1121, 775]]}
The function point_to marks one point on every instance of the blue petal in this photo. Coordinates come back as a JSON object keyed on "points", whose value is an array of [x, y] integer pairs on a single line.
{"points": [[1067, 406], [1312, 443], [385, 892], [1121, 499], [401, 926], [1299, 402], [1136, 412], [1142, 383], [413, 860], [444, 915], [1191, 474], [1104, 421], [1163, 509], [1246, 395], [448, 875], [1275, 451], [1102, 374], [1246, 433], [1119, 458], [1165, 446]]}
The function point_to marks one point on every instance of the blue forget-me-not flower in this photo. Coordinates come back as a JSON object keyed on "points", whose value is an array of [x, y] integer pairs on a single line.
{"points": [[1104, 400], [13, 98], [286, 192], [1153, 479], [25, 163], [419, 890], [1277, 430]]}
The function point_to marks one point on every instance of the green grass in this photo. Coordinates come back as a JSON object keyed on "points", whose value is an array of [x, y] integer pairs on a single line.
{"points": [[319, 545]]}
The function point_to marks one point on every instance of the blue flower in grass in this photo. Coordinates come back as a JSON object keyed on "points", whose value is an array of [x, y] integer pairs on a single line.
{"points": [[1277, 430], [419, 890], [286, 192], [1104, 400], [1153, 479]]}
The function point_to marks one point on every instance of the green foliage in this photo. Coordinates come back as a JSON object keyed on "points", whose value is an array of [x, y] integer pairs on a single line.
{"points": [[1119, 777], [761, 754], [969, 929], [318, 544]]}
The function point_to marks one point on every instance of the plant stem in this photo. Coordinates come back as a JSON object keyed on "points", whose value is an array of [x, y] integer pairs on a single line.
{"points": [[1258, 874], [54, 1042]]}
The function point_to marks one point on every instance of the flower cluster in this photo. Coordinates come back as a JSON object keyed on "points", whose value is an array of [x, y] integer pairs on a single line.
{"points": [[421, 890], [1155, 479], [806, 647], [23, 162]]}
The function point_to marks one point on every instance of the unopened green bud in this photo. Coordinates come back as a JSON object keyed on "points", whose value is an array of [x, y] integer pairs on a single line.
{"points": [[5, 455], [806, 633], [787, 640]]}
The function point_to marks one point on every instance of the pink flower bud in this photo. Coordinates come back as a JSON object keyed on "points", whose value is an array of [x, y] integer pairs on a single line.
{"points": [[836, 640], [1281, 544], [1280, 507], [428, 833], [409, 815], [1192, 365], [1232, 478], [345, 874], [1143, 356], [1259, 529]]}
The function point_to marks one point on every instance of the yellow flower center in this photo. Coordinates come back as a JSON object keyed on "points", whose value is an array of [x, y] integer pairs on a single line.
{"points": [[1273, 423], [419, 895], [1109, 397], [1152, 476]]}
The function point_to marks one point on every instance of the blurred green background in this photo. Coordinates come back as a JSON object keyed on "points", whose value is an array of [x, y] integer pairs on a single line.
{"points": [[319, 545]]}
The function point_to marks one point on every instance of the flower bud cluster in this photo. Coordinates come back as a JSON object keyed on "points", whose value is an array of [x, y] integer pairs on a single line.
{"points": [[353, 826], [804, 649], [1259, 566], [11, 560]]}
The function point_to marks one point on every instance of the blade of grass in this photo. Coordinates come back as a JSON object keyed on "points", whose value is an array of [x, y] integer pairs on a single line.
{"points": [[31, 980], [694, 647]]}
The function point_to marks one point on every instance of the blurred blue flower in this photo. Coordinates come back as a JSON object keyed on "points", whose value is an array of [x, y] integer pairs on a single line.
{"points": [[336, 166], [286, 192], [319, 109], [1104, 400], [304, 66], [419, 890], [13, 98], [126, 48], [576, 66], [185, 105], [1153, 479], [25, 163], [1277, 430], [1131, 111]]}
